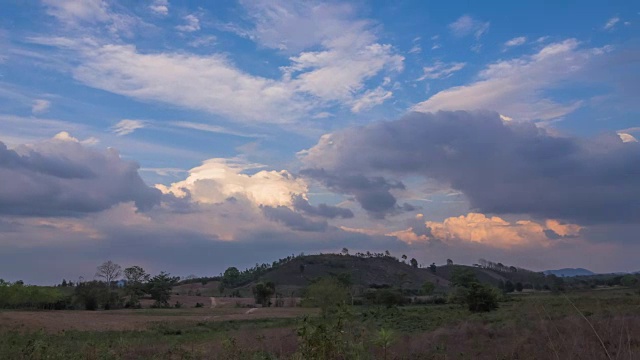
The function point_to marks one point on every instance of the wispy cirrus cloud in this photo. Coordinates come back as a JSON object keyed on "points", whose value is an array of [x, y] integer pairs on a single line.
{"points": [[516, 87], [337, 69], [467, 25], [517, 41], [440, 70], [611, 23], [40, 106], [128, 126]]}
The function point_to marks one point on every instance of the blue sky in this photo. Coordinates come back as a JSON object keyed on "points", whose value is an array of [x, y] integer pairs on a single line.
{"points": [[288, 126]]}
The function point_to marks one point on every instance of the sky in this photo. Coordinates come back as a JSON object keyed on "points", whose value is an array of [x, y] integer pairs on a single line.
{"points": [[189, 136]]}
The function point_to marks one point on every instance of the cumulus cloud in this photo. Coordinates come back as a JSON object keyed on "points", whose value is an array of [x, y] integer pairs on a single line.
{"points": [[517, 87], [517, 41], [625, 137], [40, 106], [217, 180], [466, 25], [441, 70], [62, 177], [373, 193], [127, 126], [501, 167], [492, 231]]}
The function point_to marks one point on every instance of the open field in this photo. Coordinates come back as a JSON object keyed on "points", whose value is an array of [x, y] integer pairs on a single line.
{"points": [[127, 320], [578, 325]]}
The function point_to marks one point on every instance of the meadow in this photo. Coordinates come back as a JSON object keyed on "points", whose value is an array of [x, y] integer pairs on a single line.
{"points": [[585, 324]]}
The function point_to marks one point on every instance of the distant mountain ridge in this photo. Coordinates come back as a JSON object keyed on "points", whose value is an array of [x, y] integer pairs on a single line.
{"points": [[570, 272]]}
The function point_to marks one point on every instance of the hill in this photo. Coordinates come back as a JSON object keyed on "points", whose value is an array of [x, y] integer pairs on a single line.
{"points": [[570, 272], [363, 272]]}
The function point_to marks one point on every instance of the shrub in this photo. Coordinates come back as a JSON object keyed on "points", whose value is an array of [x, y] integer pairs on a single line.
{"points": [[199, 305], [481, 298], [386, 297]]}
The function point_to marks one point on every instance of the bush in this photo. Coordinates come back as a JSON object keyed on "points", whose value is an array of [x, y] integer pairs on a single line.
{"points": [[326, 293], [386, 297], [481, 298], [199, 305]]}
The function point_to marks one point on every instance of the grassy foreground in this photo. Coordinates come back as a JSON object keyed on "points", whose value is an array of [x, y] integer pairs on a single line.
{"points": [[580, 325]]}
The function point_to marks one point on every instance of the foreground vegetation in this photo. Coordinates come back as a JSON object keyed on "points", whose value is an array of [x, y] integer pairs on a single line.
{"points": [[591, 324]]}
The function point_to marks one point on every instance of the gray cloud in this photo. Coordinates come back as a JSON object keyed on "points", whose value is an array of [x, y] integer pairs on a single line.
{"points": [[373, 193], [502, 168], [323, 210], [63, 177], [292, 219]]}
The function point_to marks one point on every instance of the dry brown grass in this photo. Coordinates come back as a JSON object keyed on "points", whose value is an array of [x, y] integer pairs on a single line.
{"points": [[56, 321]]}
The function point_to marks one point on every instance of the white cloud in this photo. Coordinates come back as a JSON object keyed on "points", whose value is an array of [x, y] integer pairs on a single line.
{"points": [[216, 180], [517, 41], [212, 129], [210, 83], [416, 49], [40, 106], [627, 137], [203, 41], [371, 99], [345, 56], [441, 70], [516, 87], [192, 24], [160, 7], [491, 231], [466, 25], [72, 11], [611, 23], [127, 126]]}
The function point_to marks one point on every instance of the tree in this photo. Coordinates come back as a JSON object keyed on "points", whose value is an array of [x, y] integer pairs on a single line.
{"points": [[387, 253], [508, 287], [414, 262], [159, 287], [428, 288], [109, 271], [481, 298], [519, 287], [628, 280], [345, 251], [136, 279], [433, 267], [327, 294], [91, 294], [463, 277], [262, 292], [404, 257], [449, 262], [230, 277], [64, 283]]}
